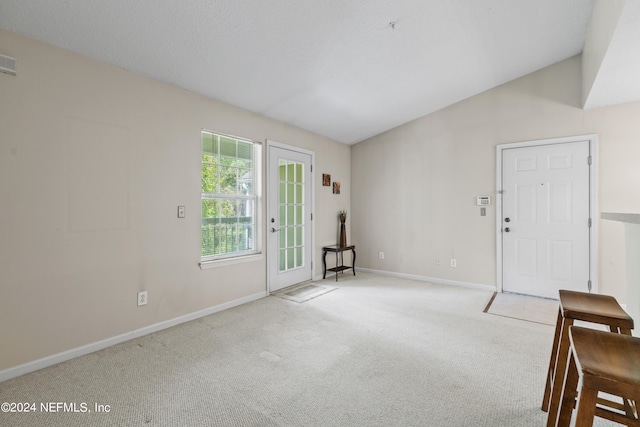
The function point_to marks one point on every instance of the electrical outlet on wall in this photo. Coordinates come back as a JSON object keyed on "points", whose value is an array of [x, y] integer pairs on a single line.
{"points": [[453, 263], [381, 255], [142, 298]]}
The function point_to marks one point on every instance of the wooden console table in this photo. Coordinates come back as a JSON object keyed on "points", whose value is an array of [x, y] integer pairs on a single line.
{"points": [[339, 259]]}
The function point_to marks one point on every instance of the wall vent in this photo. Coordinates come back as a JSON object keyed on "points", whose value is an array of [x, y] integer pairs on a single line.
{"points": [[8, 65]]}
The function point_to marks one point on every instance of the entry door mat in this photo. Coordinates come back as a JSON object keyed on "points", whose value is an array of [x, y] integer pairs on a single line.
{"points": [[523, 307], [304, 292]]}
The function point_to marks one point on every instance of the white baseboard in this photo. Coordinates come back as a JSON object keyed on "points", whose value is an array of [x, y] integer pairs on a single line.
{"points": [[35, 365], [430, 279]]}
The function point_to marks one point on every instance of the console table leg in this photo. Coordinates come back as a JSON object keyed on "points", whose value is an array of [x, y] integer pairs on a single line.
{"points": [[353, 261], [324, 264]]}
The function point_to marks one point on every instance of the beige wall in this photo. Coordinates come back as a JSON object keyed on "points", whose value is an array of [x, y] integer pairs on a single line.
{"points": [[414, 187], [604, 21], [74, 252]]}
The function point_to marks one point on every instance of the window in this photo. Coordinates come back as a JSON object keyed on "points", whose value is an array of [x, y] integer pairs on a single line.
{"points": [[230, 202]]}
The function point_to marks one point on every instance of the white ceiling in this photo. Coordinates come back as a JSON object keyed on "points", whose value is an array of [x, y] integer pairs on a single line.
{"points": [[346, 69]]}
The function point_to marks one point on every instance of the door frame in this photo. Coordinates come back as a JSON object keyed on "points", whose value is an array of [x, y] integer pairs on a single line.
{"points": [[270, 256], [593, 201]]}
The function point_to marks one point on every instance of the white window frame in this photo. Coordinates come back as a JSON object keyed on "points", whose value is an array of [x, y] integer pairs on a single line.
{"points": [[234, 257]]}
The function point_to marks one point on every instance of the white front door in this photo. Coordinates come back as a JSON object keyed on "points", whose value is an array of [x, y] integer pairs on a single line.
{"points": [[545, 219], [289, 217]]}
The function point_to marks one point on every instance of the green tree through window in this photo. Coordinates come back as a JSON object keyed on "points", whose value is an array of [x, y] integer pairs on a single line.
{"points": [[228, 196]]}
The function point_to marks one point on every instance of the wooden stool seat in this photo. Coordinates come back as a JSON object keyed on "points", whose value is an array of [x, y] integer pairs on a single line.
{"points": [[608, 356], [593, 308], [605, 362]]}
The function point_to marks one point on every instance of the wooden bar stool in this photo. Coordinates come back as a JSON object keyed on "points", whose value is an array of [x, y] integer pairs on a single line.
{"points": [[594, 308], [604, 362]]}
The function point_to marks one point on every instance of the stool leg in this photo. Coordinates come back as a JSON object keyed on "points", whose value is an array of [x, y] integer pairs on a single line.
{"points": [[560, 369], [568, 397], [586, 407], [552, 363], [630, 408]]}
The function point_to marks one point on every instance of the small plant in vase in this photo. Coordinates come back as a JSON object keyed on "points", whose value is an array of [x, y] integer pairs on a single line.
{"points": [[342, 216]]}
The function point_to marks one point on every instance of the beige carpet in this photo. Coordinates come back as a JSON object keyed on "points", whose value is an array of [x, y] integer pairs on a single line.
{"points": [[379, 351], [524, 307]]}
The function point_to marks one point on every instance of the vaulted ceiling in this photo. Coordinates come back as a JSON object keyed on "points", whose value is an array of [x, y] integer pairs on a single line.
{"points": [[346, 69]]}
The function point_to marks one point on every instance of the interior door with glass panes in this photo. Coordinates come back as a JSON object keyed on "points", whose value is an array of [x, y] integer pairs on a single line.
{"points": [[289, 217]]}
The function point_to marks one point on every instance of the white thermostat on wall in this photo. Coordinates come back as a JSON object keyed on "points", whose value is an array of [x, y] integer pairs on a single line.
{"points": [[483, 200]]}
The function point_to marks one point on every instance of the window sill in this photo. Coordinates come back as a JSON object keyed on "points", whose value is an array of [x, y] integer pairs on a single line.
{"points": [[205, 265]]}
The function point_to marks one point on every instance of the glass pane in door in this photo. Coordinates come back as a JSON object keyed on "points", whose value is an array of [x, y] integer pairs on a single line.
{"points": [[291, 211]]}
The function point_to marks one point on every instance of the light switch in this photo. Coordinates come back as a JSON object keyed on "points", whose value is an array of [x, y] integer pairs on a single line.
{"points": [[181, 212]]}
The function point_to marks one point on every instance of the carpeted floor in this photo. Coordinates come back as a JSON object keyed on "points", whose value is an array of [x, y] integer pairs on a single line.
{"points": [[377, 351]]}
